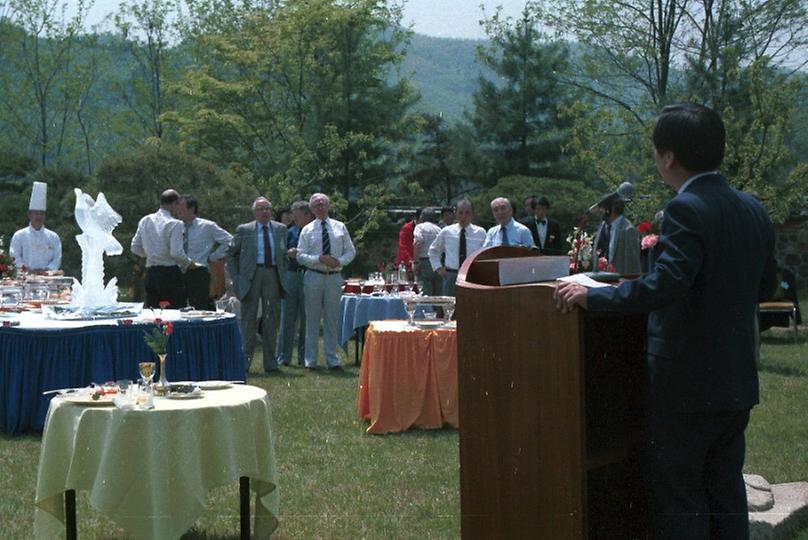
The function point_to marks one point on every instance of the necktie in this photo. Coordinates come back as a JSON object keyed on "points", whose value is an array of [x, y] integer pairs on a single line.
{"points": [[504, 231], [462, 251], [326, 240], [267, 247], [185, 238]]}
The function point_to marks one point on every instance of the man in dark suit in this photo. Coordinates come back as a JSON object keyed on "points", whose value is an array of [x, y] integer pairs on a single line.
{"points": [[546, 232], [716, 264], [256, 261]]}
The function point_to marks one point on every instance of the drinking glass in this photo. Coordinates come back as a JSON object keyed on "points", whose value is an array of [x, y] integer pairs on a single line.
{"points": [[147, 371]]}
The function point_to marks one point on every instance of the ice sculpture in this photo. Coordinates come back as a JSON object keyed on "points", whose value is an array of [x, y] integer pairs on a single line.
{"points": [[97, 220]]}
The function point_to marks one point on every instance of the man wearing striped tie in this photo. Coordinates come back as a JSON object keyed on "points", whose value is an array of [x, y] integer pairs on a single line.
{"points": [[324, 248]]}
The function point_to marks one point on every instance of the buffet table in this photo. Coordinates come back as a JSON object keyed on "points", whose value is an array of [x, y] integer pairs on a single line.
{"points": [[408, 377], [42, 354], [150, 471]]}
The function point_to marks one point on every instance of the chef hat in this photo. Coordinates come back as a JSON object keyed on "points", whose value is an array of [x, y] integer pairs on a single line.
{"points": [[39, 197]]}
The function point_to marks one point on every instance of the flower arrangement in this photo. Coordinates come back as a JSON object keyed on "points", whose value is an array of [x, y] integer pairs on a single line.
{"points": [[157, 338], [8, 269], [649, 231], [581, 252]]}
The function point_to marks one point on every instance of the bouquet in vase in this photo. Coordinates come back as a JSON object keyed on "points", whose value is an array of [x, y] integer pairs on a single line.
{"points": [[7, 267], [157, 337], [581, 252]]}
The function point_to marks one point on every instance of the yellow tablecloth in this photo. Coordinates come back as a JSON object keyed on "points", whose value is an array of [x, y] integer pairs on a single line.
{"points": [[150, 471], [408, 377]]}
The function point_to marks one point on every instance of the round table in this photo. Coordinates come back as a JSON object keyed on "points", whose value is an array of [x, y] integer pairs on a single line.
{"points": [[40, 354], [357, 310], [150, 471]]}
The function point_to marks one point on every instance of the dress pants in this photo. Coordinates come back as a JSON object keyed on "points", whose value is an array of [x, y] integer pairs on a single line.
{"points": [[265, 290], [323, 293], [431, 283], [164, 284], [197, 286], [696, 486], [293, 310], [450, 283]]}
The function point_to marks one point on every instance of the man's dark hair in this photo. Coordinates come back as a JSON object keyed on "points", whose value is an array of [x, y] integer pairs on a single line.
{"points": [[169, 197], [694, 133], [542, 201], [531, 201], [417, 215], [303, 206], [447, 210], [191, 203], [430, 215]]}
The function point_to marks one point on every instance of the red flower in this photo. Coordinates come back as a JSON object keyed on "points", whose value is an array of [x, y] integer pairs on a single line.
{"points": [[164, 304], [645, 227], [168, 328]]}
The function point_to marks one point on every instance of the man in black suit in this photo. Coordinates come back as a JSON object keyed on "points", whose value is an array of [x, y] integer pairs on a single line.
{"points": [[716, 264], [546, 232]]}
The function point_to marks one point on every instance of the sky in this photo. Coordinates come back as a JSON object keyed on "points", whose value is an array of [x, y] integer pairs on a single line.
{"points": [[441, 18]]}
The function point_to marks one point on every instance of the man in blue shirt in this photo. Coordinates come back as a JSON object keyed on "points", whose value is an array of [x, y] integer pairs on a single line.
{"points": [[507, 231], [293, 309]]}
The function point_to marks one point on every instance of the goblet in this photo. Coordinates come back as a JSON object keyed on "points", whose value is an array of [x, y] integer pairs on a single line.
{"points": [[147, 371]]}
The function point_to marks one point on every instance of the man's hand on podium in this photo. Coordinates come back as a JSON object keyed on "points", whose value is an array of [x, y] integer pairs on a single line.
{"points": [[568, 295]]}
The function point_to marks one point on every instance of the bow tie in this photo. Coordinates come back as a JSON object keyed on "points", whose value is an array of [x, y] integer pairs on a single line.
{"points": [[541, 222]]}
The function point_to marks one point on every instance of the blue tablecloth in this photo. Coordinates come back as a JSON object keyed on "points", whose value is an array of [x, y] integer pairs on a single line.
{"points": [[358, 311], [34, 360]]}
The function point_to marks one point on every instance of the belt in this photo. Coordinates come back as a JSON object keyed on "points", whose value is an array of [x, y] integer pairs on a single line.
{"points": [[424, 258], [265, 265], [324, 272], [450, 269]]}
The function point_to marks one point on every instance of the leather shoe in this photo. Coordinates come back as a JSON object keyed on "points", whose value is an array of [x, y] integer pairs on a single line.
{"points": [[335, 368]]}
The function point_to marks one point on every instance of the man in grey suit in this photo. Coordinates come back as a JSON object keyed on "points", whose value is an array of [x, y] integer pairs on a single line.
{"points": [[256, 262]]}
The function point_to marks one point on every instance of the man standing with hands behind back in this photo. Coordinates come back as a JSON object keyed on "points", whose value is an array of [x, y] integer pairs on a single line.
{"points": [[324, 248], [256, 261], [702, 293]]}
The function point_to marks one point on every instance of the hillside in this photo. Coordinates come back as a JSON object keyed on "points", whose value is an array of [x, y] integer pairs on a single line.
{"points": [[444, 71]]}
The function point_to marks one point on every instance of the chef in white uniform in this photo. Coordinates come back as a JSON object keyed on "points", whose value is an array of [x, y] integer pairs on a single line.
{"points": [[35, 247]]}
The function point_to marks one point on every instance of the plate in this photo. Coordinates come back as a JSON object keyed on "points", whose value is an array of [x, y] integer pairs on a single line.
{"points": [[427, 323], [198, 314], [213, 385], [185, 395], [88, 401]]}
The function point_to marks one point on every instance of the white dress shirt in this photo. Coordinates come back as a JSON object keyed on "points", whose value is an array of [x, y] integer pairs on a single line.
{"points": [[448, 242], [36, 249], [423, 236], [518, 235], [159, 239], [541, 228], [310, 246], [203, 235]]}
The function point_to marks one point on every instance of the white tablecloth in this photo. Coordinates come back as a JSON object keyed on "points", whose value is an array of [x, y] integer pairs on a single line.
{"points": [[36, 320], [150, 471]]}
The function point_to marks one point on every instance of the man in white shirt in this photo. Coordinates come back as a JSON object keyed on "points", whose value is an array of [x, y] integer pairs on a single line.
{"points": [[203, 241], [37, 248], [159, 239], [456, 243], [325, 247], [507, 231], [424, 234]]}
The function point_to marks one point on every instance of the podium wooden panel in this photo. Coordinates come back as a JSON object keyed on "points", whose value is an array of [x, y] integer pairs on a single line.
{"points": [[550, 412]]}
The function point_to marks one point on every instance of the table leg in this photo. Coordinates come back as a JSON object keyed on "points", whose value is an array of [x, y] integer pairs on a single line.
{"points": [[70, 514], [356, 348], [244, 506]]}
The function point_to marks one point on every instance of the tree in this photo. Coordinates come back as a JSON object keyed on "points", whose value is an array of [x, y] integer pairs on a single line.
{"points": [[39, 59], [737, 56], [146, 28], [516, 115], [431, 168]]}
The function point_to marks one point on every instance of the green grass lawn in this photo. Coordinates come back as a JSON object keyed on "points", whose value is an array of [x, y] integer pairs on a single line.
{"points": [[338, 482]]}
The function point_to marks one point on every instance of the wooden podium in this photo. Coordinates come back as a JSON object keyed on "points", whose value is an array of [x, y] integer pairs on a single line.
{"points": [[550, 412]]}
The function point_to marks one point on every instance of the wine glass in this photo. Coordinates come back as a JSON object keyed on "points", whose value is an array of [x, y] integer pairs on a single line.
{"points": [[147, 371], [448, 311], [409, 307]]}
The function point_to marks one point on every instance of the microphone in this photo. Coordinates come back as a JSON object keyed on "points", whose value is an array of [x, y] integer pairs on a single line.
{"points": [[624, 191]]}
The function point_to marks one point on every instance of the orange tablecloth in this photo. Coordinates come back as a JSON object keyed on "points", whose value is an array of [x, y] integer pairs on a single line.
{"points": [[408, 377]]}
